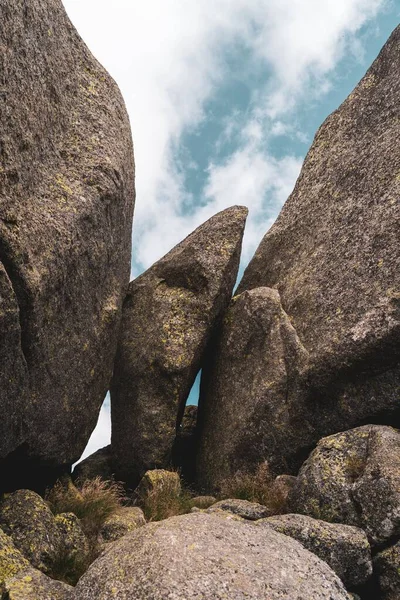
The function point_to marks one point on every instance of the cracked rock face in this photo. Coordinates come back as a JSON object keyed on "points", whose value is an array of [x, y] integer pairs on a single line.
{"points": [[333, 252], [66, 204], [354, 478], [169, 316], [209, 556], [249, 408]]}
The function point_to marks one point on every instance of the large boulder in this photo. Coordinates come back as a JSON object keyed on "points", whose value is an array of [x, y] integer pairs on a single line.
{"points": [[208, 556], [249, 409], [28, 521], [344, 548], [354, 478], [333, 255], [169, 316], [333, 252], [66, 204]]}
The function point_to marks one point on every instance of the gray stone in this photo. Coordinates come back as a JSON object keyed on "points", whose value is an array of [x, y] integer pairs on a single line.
{"points": [[344, 548], [243, 508], [11, 559], [97, 464], [34, 585], [387, 569], [125, 521], [354, 478], [169, 315], [206, 556], [66, 204], [333, 255], [249, 409], [27, 519], [74, 544]]}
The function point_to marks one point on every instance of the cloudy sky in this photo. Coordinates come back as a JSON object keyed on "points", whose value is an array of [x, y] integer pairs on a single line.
{"points": [[224, 98]]}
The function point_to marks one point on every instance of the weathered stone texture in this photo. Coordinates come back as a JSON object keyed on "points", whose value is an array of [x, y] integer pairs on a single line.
{"points": [[345, 549], [66, 203], [208, 556], [333, 252], [333, 256], [354, 478], [169, 315], [249, 408]]}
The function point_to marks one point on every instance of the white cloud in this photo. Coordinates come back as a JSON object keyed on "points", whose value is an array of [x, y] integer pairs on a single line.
{"points": [[168, 58]]}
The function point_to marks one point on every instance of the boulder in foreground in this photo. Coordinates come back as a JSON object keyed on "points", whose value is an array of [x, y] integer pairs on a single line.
{"points": [[211, 557]]}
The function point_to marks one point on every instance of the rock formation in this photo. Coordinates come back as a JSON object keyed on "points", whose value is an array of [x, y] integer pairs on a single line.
{"points": [[345, 549], [354, 477], [333, 256], [169, 316], [208, 556], [249, 408], [66, 204]]}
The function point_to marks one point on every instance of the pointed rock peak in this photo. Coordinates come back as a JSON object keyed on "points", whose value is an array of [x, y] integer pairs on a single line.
{"points": [[169, 316]]}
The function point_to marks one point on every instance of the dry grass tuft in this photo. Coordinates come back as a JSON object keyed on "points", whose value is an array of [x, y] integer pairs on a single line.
{"points": [[92, 501], [164, 502], [258, 487]]}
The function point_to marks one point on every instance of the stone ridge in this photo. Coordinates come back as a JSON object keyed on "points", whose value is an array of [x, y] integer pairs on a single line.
{"points": [[169, 316]]}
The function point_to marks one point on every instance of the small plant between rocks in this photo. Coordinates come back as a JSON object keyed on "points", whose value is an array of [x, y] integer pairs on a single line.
{"points": [[161, 495], [93, 501], [258, 487]]}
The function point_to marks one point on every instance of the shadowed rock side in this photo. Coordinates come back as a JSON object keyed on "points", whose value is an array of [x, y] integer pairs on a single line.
{"points": [[333, 253], [168, 317], [333, 256], [249, 410], [66, 204], [209, 556]]}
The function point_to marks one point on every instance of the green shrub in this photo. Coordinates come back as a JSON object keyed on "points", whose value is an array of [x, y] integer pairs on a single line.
{"points": [[163, 502]]}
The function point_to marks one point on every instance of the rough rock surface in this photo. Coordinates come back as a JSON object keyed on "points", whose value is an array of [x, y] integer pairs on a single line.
{"points": [[73, 541], [344, 548], [27, 519], [34, 585], [243, 508], [248, 410], [156, 481], [124, 521], [66, 204], [333, 254], [169, 315], [206, 556], [387, 568], [11, 559], [97, 464], [354, 477]]}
